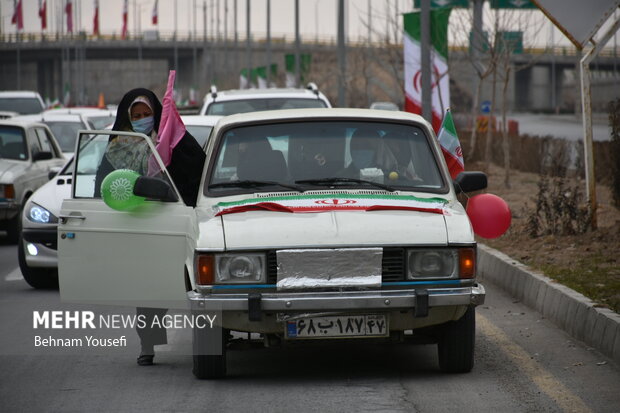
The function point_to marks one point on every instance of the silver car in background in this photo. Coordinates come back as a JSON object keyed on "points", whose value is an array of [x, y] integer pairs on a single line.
{"points": [[28, 154]]}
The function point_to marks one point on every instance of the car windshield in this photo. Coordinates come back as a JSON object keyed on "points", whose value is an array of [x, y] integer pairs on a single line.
{"points": [[12, 143], [252, 105], [100, 122], [201, 133], [65, 133], [23, 106], [325, 154]]}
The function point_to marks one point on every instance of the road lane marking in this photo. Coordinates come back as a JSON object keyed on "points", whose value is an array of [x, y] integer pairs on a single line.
{"points": [[15, 275], [542, 378]]}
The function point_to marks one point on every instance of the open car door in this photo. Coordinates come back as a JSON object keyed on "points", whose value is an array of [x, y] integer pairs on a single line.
{"points": [[134, 257]]}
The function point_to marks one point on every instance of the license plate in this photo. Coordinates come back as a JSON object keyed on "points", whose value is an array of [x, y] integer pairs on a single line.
{"points": [[369, 325]]}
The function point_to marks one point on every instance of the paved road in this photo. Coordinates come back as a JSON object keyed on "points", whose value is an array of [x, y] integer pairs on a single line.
{"points": [[523, 364], [567, 127]]}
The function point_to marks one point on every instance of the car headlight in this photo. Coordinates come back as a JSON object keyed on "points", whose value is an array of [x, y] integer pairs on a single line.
{"points": [[241, 268], [440, 263], [37, 213]]}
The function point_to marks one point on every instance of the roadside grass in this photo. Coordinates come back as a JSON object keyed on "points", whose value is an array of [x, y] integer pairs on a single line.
{"points": [[595, 277]]}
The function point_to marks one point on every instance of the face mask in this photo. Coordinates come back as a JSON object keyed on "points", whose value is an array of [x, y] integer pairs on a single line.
{"points": [[362, 158], [144, 125]]}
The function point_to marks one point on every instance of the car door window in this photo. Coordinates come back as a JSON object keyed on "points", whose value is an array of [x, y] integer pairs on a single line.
{"points": [[12, 143], [99, 154], [33, 142], [44, 141]]}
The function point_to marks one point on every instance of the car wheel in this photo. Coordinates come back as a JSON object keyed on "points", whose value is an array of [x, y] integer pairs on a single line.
{"points": [[40, 278], [208, 366], [456, 344]]}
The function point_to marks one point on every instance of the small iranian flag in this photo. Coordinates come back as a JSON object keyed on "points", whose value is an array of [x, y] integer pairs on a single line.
{"points": [[440, 82], [450, 145]]}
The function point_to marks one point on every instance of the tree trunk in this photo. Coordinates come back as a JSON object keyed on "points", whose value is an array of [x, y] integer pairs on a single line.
{"points": [[487, 147], [505, 140], [474, 113]]}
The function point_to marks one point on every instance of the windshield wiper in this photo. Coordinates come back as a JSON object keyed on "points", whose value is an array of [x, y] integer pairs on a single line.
{"points": [[253, 184], [330, 181]]}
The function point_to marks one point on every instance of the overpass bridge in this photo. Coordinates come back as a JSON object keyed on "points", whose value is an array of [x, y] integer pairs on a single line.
{"points": [[90, 66]]}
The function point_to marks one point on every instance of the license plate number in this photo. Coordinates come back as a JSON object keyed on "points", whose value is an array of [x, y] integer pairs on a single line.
{"points": [[369, 325]]}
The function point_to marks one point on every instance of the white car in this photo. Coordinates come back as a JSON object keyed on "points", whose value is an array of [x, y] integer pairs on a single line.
{"points": [[23, 102], [28, 153], [200, 126], [229, 102], [65, 123], [95, 118], [310, 224]]}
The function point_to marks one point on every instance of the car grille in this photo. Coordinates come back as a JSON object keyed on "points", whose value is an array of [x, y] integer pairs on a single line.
{"points": [[392, 265]]}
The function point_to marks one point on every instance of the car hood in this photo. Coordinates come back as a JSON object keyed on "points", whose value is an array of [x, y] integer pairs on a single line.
{"points": [[10, 170], [51, 195], [267, 229]]}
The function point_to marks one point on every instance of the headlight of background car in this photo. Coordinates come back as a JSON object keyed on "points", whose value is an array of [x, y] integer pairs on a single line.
{"points": [[240, 268], [432, 263], [37, 213]]}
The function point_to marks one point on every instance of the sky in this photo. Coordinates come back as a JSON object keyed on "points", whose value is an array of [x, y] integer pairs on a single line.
{"points": [[317, 19]]}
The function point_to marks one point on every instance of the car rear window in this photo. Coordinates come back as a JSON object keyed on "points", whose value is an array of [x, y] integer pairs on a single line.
{"points": [[253, 105], [12, 143], [23, 106]]}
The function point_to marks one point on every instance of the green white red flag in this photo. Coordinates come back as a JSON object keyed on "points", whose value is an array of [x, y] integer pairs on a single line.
{"points": [[450, 145], [331, 202], [440, 82]]}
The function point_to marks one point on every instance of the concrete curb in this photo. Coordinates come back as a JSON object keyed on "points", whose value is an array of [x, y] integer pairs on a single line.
{"points": [[570, 310]]}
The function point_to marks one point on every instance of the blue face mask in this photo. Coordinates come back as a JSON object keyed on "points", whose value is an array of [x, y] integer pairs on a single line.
{"points": [[362, 158], [144, 125]]}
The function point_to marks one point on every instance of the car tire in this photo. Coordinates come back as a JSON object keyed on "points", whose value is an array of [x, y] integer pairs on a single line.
{"points": [[456, 344], [208, 366], [39, 278]]}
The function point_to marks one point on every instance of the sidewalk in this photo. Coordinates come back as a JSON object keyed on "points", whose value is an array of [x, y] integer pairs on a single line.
{"points": [[570, 310]]}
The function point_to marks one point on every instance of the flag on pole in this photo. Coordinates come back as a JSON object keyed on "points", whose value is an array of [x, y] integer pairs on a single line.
{"points": [[18, 15], [440, 82], [179, 151], [450, 145], [124, 30], [66, 100], [96, 19], [304, 68], [69, 12], [154, 14], [43, 14]]}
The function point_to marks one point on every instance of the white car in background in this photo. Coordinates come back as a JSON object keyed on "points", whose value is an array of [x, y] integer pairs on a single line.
{"points": [[65, 123], [200, 126], [28, 153], [37, 255], [22, 102], [230, 102]]}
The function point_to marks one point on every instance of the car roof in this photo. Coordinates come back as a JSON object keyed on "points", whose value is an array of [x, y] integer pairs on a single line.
{"points": [[200, 120], [48, 117], [322, 113], [18, 93], [234, 94], [23, 123], [86, 111]]}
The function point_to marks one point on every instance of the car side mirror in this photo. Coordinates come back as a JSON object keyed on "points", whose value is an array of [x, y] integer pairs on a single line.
{"points": [[470, 181], [154, 188], [42, 156]]}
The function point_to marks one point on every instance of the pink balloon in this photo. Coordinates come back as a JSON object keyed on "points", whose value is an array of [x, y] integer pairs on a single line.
{"points": [[489, 215]]}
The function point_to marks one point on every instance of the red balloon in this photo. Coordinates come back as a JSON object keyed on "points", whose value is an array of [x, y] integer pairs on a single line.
{"points": [[489, 215]]}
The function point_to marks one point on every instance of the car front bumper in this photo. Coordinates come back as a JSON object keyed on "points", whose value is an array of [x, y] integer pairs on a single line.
{"points": [[418, 299]]}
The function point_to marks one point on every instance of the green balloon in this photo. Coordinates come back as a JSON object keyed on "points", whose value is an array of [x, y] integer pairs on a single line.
{"points": [[117, 190]]}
